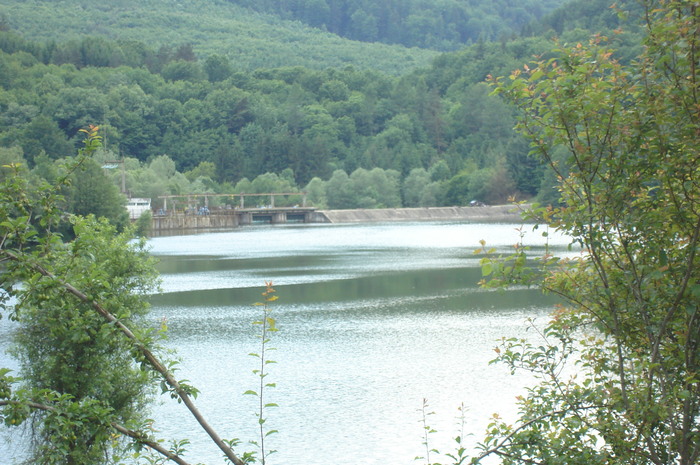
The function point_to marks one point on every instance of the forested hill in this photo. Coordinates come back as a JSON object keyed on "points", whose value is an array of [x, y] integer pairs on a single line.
{"points": [[270, 33], [187, 115], [249, 39]]}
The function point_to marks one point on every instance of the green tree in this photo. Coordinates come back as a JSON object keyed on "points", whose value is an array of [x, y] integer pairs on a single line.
{"points": [[8, 156], [205, 168], [457, 189], [92, 192], [316, 193], [87, 358], [69, 349], [413, 187], [630, 322], [339, 193], [42, 135], [218, 68], [182, 70], [67, 352], [74, 108]]}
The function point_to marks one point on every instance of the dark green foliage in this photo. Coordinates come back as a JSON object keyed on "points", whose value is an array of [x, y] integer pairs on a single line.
{"points": [[91, 192], [443, 25], [39, 136], [217, 68]]}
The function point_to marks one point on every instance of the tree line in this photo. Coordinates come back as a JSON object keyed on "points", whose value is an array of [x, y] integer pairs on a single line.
{"points": [[435, 130]]}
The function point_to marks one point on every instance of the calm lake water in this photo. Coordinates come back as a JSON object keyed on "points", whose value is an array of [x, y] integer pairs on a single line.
{"points": [[372, 319]]}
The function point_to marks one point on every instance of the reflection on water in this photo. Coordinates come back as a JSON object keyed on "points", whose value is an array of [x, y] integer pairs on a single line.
{"points": [[372, 318]]}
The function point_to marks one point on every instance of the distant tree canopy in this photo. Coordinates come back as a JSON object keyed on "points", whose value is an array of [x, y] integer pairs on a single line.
{"points": [[114, 34], [441, 25]]}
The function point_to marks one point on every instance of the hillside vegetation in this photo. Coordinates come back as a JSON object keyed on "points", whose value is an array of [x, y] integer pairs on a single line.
{"points": [[249, 39], [186, 122]]}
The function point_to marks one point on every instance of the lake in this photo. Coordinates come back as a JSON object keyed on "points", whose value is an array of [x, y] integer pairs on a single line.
{"points": [[372, 318]]}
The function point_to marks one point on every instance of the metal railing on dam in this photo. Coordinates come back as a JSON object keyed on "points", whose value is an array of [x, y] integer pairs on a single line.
{"points": [[234, 217]]}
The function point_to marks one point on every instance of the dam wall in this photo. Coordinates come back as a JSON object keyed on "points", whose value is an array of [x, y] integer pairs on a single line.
{"points": [[183, 222], [169, 224], [497, 213]]}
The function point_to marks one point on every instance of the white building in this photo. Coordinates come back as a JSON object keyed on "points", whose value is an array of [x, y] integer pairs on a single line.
{"points": [[136, 207]]}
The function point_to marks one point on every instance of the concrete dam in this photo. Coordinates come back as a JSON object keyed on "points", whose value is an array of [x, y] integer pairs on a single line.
{"points": [[233, 218]]}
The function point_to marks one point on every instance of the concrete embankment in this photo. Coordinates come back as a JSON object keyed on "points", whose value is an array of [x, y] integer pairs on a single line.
{"points": [[498, 213]]}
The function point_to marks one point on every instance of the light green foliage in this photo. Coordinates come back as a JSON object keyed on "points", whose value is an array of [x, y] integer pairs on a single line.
{"points": [[414, 186], [10, 156], [247, 39], [204, 169], [163, 166], [144, 224], [619, 362], [377, 188], [270, 182], [316, 193]]}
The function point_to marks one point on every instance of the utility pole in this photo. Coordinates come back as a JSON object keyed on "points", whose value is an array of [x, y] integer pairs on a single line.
{"points": [[108, 165]]}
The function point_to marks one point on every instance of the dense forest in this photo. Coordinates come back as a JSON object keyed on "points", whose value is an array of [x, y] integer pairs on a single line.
{"points": [[185, 122], [436, 24]]}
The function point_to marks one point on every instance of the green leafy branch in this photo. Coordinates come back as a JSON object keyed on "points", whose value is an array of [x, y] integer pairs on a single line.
{"points": [[33, 254]]}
